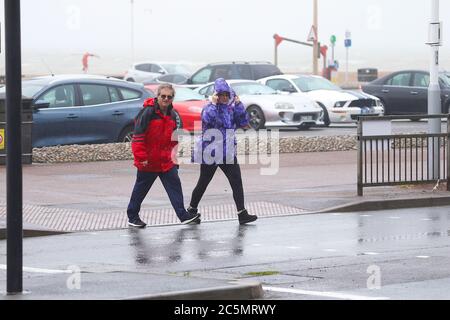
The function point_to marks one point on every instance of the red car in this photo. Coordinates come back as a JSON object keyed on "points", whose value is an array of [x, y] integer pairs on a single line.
{"points": [[188, 105]]}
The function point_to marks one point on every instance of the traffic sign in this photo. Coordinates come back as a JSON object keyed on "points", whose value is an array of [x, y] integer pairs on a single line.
{"points": [[2, 139], [312, 36], [333, 39], [348, 43]]}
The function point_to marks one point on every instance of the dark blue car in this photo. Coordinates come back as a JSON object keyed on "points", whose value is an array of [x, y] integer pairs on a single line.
{"points": [[83, 109]]}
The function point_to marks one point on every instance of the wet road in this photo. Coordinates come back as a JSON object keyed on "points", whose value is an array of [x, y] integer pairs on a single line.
{"points": [[396, 254]]}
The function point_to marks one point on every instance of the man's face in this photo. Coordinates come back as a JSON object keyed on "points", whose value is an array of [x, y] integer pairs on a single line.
{"points": [[165, 98], [224, 97]]}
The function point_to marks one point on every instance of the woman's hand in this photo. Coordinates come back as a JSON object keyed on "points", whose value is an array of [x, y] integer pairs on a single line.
{"points": [[237, 100], [214, 98]]}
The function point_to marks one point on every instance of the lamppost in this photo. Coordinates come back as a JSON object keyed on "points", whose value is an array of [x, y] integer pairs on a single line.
{"points": [[132, 30], [434, 91], [14, 178]]}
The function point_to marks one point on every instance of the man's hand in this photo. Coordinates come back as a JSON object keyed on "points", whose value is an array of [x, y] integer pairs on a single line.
{"points": [[237, 100]]}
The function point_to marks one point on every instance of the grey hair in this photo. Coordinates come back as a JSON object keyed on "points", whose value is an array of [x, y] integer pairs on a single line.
{"points": [[165, 86]]}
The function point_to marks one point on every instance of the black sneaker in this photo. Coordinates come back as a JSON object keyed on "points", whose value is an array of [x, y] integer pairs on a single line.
{"points": [[191, 218], [137, 223], [194, 211], [244, 217]]}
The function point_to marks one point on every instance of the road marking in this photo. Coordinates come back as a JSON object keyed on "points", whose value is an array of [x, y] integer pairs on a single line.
{"points": [[394, 218], [39, 270], [366, 215], [423, 257], [293, 248], [330, 250], [370, 253], [336, 295], [427, 219]]}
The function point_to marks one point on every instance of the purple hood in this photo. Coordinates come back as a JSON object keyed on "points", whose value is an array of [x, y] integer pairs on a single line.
{"points": [[220, 85]]}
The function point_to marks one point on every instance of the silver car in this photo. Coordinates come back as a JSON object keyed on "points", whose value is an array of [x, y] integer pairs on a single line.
{"points": [[269, 108]]}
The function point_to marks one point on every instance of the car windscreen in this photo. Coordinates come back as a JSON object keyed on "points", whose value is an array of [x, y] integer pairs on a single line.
{"points": [[446, 79], [307, 84], [186, 94], [175, 68], [252, 88], [29, 88]]}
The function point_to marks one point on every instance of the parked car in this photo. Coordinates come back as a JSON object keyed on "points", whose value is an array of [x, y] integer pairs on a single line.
{"points": [[268, 108], [406, 92], [339, 106], [173, 78], [146, 71], [232, 70], [80, 109], [188, 107]]}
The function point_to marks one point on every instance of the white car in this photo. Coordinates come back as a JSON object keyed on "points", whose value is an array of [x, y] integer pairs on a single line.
{"points": [[147, 71], [269, 108], [340, 106]]}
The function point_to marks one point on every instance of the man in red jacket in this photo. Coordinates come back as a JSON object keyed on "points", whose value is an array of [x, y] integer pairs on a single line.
{"points": [[152, 148]]}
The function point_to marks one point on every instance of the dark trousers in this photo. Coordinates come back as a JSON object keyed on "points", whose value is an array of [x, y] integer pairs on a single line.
{"points": [[233, 174], [144, 181]]}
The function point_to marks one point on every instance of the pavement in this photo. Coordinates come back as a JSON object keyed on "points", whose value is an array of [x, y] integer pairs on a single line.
{"points": [[77, 245]]}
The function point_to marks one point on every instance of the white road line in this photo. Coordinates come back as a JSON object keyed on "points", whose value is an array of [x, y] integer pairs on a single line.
{"points": [[39, 270], [423, 257], [370, 253], [336, 295]]}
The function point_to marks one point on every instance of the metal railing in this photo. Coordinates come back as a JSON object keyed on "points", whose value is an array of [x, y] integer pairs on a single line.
{"points": [[402, 159]]}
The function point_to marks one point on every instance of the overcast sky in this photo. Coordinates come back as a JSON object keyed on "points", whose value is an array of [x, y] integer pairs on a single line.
{"points": [[386, 34]]}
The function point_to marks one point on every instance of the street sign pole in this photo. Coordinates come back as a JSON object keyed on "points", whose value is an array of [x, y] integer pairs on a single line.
{"points": [[434, 91], [348, 44], [316, 40], [14, 223]]}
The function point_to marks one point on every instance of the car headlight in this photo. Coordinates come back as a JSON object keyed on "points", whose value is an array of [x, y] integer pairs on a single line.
{"points": [[284, 106], [340, 104]]}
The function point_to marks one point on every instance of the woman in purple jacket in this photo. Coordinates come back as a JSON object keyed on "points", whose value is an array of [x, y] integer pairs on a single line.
{"points": [[220, 119]]}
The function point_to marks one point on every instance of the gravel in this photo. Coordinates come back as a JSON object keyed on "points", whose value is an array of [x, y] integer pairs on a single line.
{"points": [[249, 145]]}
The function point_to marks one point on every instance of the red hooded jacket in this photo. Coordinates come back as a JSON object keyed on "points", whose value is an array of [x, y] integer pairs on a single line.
{"points": [[152, 138]]}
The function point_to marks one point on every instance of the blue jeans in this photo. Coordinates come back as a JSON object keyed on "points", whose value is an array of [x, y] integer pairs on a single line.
{"points": [[144, 181]]}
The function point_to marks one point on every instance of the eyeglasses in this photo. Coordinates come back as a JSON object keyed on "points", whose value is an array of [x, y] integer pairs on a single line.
{"points": [[164, 97]]}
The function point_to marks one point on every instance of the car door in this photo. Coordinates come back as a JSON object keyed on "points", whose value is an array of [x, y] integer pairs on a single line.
{"points": [[56, 116], [396, 93], [144, 72], [101, 110], [419, 93]]}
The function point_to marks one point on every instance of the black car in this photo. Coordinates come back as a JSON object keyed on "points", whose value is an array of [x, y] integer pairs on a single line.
{"points": [[406, 92], [233, 70]]}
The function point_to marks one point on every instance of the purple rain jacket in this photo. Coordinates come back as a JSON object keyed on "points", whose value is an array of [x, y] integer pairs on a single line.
{"points": [[219, 123]]}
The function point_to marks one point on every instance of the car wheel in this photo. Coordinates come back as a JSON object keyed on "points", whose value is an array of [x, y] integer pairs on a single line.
{"points": [[126, 135], [325, 117], [257, 118], [178, 120]]}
